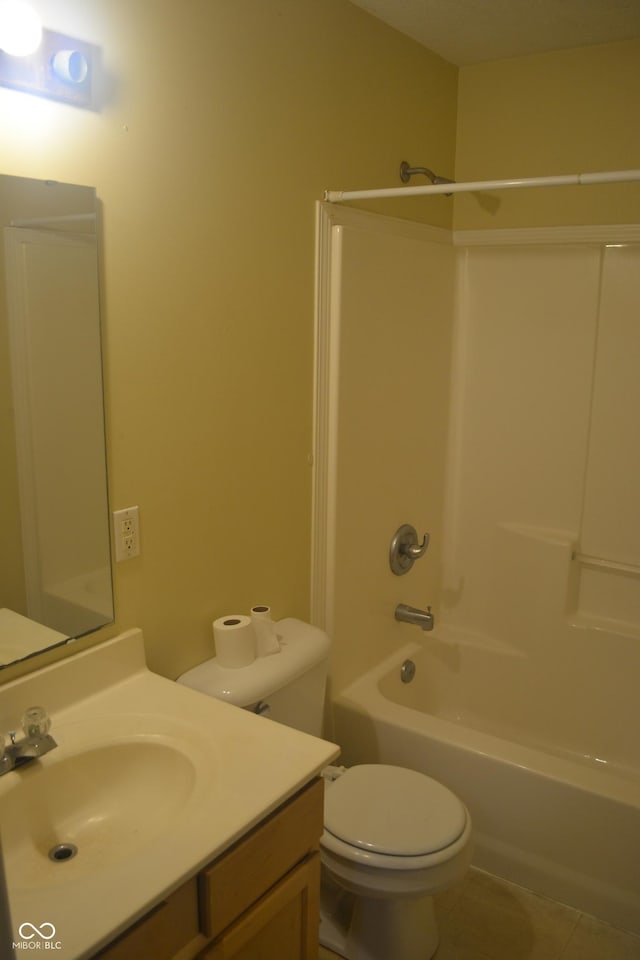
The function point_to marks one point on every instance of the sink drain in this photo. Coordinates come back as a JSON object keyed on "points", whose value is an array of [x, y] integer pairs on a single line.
{"points": [[63, 852]]}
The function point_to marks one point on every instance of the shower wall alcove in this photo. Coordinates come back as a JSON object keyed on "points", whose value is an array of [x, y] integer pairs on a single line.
{"points": [[483, 386]]}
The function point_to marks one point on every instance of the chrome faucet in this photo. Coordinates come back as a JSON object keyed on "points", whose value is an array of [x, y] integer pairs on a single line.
{"points": [[422, 618], [36, 742]]}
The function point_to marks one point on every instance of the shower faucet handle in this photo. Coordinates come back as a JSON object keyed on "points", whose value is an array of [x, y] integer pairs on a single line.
{"points": [[405, 549], [416, 550]]}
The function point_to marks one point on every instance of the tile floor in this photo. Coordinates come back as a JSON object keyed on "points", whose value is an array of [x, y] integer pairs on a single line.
{"points": [[485, 918]]}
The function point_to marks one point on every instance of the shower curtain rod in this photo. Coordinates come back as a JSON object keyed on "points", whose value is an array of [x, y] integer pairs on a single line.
{"points": [[476, 186]]}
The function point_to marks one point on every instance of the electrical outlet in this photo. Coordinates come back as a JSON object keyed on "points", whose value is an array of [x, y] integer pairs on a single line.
{"points": [[126, 533]]}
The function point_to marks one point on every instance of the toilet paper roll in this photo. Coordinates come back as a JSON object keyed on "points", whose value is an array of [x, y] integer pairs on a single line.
{"points": [[235, 640], [265, 629]]}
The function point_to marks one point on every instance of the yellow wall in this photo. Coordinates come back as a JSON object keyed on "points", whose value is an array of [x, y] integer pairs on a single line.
{"points": [[222, 124], [573, 111]]}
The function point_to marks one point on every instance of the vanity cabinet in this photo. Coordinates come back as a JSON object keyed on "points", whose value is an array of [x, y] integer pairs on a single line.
{"points": [[163, 932], [260, 900], [282, 925]]}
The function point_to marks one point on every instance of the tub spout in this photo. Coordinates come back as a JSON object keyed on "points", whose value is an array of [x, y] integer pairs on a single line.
{"points": [[422, 618]]}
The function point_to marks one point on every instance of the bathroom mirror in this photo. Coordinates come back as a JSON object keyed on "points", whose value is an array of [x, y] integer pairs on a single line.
{"points": [[55, 563]]}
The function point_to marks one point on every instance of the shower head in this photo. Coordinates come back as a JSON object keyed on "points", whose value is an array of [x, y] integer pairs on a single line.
{"points": [[406, 172]]}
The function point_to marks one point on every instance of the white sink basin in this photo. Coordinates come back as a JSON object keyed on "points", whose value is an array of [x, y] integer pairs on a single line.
{"points": [[71, 814]]}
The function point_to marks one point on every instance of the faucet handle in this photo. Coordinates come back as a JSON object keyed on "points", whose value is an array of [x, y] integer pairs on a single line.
{"points": [[416, 550], [36, 722], [405, 549]]}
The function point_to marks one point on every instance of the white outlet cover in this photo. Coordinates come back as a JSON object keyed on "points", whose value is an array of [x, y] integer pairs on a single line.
{"points": [[126, 533]]}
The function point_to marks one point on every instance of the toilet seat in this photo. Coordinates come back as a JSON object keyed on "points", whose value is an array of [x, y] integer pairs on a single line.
{"points": [[392, 817]]}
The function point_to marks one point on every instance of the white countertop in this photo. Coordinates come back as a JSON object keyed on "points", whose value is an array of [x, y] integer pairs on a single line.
{"points": [[246, 767], [21, 637]]}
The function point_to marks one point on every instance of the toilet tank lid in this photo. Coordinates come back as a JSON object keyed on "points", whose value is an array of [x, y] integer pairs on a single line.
{"points": [[302, 647]]}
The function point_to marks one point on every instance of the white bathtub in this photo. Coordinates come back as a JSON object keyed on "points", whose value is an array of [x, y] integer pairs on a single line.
{"points": [[546, 815]]}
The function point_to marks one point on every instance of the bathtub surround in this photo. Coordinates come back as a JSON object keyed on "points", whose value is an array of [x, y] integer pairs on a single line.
{"points": [[381, 417], [549, 453], [536, 478], [537, 639]]}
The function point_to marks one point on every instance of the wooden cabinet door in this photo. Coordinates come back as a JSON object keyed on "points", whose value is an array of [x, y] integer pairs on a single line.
{"points": [[161, 933], [230, 885], [283, 924]]}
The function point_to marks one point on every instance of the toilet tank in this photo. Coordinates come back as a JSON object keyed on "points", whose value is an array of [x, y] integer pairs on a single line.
{"points": [[288, 686]]}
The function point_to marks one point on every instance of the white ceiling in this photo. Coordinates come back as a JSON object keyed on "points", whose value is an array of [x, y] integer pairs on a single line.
{"points": [[473, 31]]}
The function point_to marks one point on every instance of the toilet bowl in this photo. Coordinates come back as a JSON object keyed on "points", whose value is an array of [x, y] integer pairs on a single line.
{"points": [[392, 837]]}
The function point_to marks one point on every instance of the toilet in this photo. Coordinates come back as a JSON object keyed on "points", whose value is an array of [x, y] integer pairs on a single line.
{"points": [[392, 837]]}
